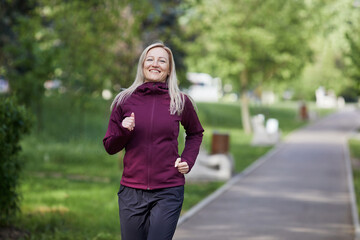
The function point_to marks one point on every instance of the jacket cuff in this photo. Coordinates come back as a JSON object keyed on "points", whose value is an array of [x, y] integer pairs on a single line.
{"points": [[124, 131]]}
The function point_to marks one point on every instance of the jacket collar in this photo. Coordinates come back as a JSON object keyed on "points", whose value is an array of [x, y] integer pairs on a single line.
{"points": [[153, 87]]}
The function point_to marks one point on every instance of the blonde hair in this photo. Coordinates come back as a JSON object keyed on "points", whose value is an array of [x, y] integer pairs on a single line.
{"points": [[176, 97]]}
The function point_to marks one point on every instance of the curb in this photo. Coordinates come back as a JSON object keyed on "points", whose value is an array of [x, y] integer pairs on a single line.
{"points": [[354, 209], [252, 167]]}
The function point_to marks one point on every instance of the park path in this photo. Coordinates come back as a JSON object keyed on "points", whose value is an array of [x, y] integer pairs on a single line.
{"points": [[300, 191]]}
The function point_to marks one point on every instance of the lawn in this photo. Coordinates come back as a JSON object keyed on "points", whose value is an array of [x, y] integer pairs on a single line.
{"points": [[354, 146], [69, 183]]}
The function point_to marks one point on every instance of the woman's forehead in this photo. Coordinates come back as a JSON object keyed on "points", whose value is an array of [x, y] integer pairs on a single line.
{"points": [[157, 52]]}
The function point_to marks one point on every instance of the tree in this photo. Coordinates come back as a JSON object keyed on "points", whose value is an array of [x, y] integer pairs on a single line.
{"points": [[31, 63], [353, 54], [329, 45], [26, 55], [10, 12], [248, 42], [88, 45]]}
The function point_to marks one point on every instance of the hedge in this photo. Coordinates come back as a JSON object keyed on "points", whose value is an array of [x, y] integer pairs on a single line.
{"points": [[15, 121]]}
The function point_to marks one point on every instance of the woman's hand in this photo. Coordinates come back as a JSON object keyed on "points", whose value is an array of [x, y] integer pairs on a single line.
{"points": [[129, 122], [182, 167]]}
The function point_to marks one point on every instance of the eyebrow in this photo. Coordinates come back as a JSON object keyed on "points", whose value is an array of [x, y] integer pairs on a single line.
{"points": [[159, 57]]}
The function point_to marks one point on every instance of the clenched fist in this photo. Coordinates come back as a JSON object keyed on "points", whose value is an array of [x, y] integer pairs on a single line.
{"points": [[129, 122], [182, 167]]}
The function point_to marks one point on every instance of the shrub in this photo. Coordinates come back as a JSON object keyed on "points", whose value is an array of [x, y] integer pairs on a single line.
{"points": [[14, 123]]}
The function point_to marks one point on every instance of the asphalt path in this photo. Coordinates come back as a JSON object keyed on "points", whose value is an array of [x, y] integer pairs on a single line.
{"points": [[299, 191]]}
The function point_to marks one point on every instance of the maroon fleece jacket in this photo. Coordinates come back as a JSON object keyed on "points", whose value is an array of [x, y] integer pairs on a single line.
{"points": [[151, 149]]}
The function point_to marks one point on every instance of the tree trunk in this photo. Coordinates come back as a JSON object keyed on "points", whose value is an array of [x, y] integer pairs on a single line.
{"points": [[245, 113]]}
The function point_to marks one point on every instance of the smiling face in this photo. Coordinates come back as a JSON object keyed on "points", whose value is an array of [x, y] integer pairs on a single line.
{"points": [[156, 66]]}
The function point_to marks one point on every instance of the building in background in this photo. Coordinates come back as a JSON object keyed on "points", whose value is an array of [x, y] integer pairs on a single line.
{"points": [[204, 88]]}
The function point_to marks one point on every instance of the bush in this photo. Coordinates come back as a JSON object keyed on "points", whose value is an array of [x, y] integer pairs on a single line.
{"points": [[14, 123], [350, 94]]}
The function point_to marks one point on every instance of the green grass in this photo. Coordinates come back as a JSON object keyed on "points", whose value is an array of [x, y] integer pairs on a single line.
{"points": [[69, 183], [354, 146]]}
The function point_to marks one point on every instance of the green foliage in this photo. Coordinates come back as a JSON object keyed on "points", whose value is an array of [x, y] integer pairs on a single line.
{"points": [[267, 39], [92, 45], [24, 61], [27, 54], [353, 38], [15, 122], [31, 61], [88, 45], [247, 43], [99, 43], [350, 93], [10, 12], [354, 145], [328, 68]]}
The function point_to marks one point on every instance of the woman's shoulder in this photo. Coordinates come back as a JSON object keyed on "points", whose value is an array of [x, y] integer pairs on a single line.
{"points": [[189, 103], [187, 98]]}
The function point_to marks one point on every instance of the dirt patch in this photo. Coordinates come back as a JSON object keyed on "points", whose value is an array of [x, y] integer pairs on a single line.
{"points": [[13, 233]]}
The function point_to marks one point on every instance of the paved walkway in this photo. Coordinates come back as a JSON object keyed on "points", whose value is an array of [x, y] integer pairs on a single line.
{"points": [[299, 192]]}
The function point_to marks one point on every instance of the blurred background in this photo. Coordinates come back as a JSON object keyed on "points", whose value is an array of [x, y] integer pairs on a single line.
{"points": [[62, 62]]}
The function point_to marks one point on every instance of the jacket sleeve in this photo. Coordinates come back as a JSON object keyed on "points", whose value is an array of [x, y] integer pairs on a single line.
{"points": [[116, 135], [194, 133]]}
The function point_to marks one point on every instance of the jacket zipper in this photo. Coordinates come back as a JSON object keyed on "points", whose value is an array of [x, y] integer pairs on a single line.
{"points": [[150, 137]]}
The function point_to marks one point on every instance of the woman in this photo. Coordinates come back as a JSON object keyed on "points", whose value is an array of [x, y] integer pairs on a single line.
{"points": [[145, 121]]}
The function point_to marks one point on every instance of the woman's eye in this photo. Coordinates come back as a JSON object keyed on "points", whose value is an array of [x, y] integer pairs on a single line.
{"points": [[163, 61], [149, 59]]}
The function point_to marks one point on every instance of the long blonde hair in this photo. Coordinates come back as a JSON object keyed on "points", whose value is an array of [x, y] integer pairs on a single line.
{"points": [[176, 97]]}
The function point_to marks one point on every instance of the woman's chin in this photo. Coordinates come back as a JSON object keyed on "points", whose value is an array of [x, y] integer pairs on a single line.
{"points": [[154, 80]]}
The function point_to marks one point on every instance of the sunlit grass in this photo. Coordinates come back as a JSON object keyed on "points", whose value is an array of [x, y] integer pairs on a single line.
{"points": [[354, 146]]}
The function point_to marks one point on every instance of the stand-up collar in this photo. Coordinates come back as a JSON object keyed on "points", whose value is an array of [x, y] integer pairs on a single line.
{"points": [[153, 87]]}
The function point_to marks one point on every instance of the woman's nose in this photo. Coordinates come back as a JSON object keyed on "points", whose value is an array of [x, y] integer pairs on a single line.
{"points": [[155, 64]]}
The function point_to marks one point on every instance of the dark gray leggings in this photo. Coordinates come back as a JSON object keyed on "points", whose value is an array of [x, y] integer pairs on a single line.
{"points": [[149, 214]]}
